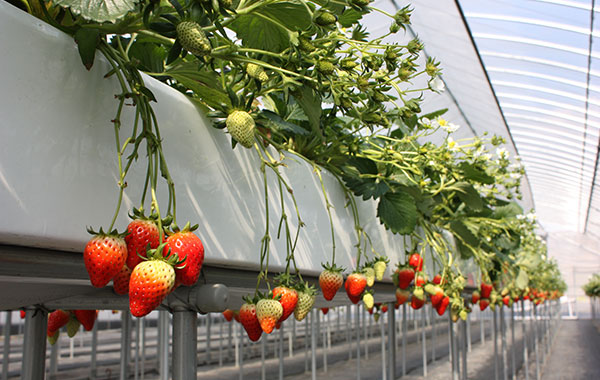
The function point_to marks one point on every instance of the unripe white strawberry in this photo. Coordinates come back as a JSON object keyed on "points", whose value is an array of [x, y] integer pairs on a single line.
{"points": [[306, 300], [257, 72], [380, 267], [368, 300], [369, 273], [192, 38], [241, 127]]}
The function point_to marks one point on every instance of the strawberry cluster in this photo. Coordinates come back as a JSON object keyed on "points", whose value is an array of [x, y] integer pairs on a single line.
{"points": [[72, 319]]}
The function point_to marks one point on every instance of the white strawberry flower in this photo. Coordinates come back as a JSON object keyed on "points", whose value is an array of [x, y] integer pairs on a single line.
{"points": [[437, 85], [502, 153]]}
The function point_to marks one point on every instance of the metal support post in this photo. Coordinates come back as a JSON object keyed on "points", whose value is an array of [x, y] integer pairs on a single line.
{"points": [[136, 360], [313, 345], [34, 344], [382, 333], [452, 347], [468, 332], [94, 354], [324, 343], [463, 349], [357, 328], [348, 315], [143, 344], [424, 341], [185, 343], [163, 345], [306, 341], [512, 342], [125, 345], [292, 338], [433, 334], [229, 339], [281, 351], [404, 332], [241, 351], [524, 328], [392, 341], [263, 373], [53, 370], [495, 336], [221, 344], [535, 342], [6, 355], [504, 352], [208, 337], [482, 327], [366, 326]]}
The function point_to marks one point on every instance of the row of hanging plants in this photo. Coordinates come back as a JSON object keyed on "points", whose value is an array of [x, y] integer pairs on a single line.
{"points": [[592, 287], [304, 80]]}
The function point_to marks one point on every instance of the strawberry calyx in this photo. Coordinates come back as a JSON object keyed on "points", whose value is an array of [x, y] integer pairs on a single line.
{"points": [[332, 268], [305, 287], [187, 228], [114, 233], [171, 259]]}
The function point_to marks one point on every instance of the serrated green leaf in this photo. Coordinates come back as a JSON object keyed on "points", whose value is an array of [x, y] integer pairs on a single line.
{"points": [[276, 122], [99, 10], [522, 279], [215, 98], [467, 193], [349, 17], [511, 210], [87, 41], [462, 232], [398, 212], [435, 114], [151, 56], [474, 173], [311, 105], [272, 27], [365, 187]]}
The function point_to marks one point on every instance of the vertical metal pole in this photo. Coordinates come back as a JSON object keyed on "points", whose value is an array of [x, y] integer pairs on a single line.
{"points": [[404, 332], [512, 342], [221, 344], [324, 344], [229, 340], [236, 342], [482, 327], [208, 337], [313, 345], [495, 336], [424, 342], [463, 325], [357, 324], [241, 351], [143, 344], [392, 341], [382, 333], [306, 322], [504, 353], [185, 343], [54, 360], [94, 355], [263, 373], [524, 327], [535, 342], [6, 355], [281, 352], [34, 344], [136, 360], [163, 345], [468, 321], [125, 345], [433, 334], [71, 348], [292, 338], [366, 325], [452, 349], [348, 315]]}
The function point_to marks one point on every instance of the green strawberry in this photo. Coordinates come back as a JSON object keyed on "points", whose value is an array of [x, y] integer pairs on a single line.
{"points": [[72, 327], [325, 67], [306, 300], [192, 38], [369, 273], [53, 337], [380, 267], [361, 3], [325, 18], [257, 72], [241, 127], [305, 45]]}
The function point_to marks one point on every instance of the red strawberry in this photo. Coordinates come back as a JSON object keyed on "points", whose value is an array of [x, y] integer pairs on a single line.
{"points": [[250, 322], [268, 312], [228, 314], [416, 261], [86, 318], [56, 320], [354, 300], [402, 296], [441, 307], [151, 281], [288, 299], [143, 233], [53, 337], [403, 277], [437, 279], [437, 297], [486, 290], [355, 284], [187, 246], [325, 310], [483, 303], [416, 303], [22, 314], [121, 281], [507, 301], [330, 281], [384, 308], [475, 297], [104, 257]]}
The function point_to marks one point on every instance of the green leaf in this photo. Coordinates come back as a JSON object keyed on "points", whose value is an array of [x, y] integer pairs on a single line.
{"points": [[365, 187], [272, 27], [462, 232], [99, 10], [213, 97], [467, 193], [276, 122], [398, 212], [87, 41], [349, 17], [435, 114], [522, 279], [150, 56], [474, 173], [311, 105], [511, 210]]}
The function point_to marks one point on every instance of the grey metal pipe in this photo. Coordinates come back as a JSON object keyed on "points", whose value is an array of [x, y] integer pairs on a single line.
{"points": [[482, 327], [433, 333], [525, 347], [313, 345], [464, 371], [348, 316], [357, 324], [163, 345], [34, 344], [6, 355], [512, 342], [404, 331], [324, 343], [185, 342], [94, 354], [241, 351], [452, 349], [280, 345], [143, 344], [263, 372], [366, 325], [208, 337], [137, 350], [221, 344], [384, 370], [468, 332], [392, 340], [424, 342], [125, 345], [535, 342], [504, 352], [53, 361]]}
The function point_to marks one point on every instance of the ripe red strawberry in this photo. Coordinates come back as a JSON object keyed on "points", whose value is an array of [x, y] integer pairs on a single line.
{"points": [[420, 279], [330, 281], [384, 308], [402, 296], [437, 297], [355, 284], [486, 290], [441, 307], [325, 310], [228, 314], [86, 318], [250, 322], [507, 301], [475, 297], [416, 261], [104, 257], [268, 312], [437, 279], [22, 314], [187, 246], [151, 281], [143, 233], [483, 303], [416, 303], [288, 299], [354, 300], [403, 277], [56, 320], [121, 281]]}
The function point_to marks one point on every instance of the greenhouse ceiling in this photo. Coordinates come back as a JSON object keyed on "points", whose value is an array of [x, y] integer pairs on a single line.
{"points": [[529, 71]]}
